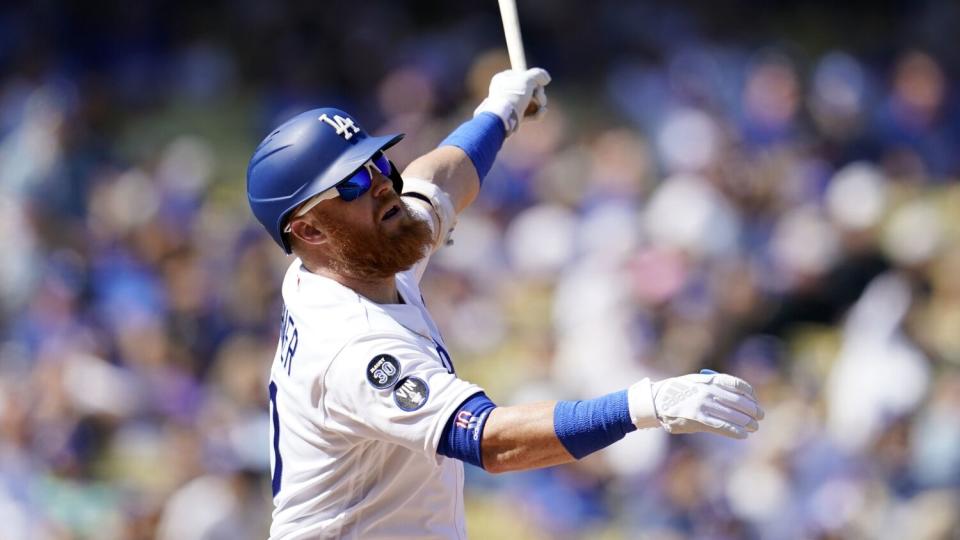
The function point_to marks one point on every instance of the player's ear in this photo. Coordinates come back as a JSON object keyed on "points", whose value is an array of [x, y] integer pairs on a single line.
{"points": [[307, 232]]}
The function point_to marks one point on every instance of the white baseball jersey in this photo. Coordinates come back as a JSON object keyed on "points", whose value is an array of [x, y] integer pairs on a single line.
{"points": [[360, 393]]}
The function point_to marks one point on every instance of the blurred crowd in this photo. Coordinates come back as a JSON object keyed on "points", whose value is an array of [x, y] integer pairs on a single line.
{"points": [[769, 192]]}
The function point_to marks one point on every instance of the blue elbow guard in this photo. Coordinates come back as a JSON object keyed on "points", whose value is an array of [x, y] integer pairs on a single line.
{"points": [[464, 430], [481, 138], [584, 427]]}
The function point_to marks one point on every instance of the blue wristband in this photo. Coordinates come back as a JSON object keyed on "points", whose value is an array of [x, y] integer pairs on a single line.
{"points": [[481, 138], [464, 430], [584, 427]]}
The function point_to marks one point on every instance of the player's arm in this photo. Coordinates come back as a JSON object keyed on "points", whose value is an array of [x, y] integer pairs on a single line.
{"points": [[501, 439], [459, 165]]}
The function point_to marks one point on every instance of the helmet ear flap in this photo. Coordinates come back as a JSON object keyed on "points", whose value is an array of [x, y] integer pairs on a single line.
{"points": [[396, 179]]}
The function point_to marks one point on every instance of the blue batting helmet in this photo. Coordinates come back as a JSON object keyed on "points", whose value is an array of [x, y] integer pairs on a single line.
{"points": [[308, 154]]}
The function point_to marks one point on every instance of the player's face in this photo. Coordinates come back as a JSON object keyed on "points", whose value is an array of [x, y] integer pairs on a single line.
{"points": [[374, 235]]}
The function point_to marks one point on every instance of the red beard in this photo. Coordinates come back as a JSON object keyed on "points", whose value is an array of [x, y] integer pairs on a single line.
{"points": [[377, 253]]}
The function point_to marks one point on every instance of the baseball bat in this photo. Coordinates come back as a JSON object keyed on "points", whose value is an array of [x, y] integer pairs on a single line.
{"points": [[511, 29]]}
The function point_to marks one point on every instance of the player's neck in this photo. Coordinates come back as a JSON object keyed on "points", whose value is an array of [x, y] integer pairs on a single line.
{"points": [[380, 291]]}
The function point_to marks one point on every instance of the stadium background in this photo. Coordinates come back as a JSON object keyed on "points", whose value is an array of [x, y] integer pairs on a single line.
{"points": [[767, 188]]}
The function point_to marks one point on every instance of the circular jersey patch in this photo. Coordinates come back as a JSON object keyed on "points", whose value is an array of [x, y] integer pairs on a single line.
{"points": [[383, 371], [411, 393]]}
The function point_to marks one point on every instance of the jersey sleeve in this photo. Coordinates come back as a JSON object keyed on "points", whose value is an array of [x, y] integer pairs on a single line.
{"points": [[389, 388]]}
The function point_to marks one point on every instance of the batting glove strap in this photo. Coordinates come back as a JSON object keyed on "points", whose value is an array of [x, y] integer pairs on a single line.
{"points": [[511, 92], [642, 411]]}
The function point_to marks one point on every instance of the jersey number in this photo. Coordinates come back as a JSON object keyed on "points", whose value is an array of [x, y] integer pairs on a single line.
{"points": [[277, 460]]}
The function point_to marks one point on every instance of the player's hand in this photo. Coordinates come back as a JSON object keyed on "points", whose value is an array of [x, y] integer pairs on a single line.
{"points": [[715, 403], [515, 96]]}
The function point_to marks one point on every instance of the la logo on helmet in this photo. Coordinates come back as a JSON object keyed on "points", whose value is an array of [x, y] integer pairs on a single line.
{"points": [[342, 125]]}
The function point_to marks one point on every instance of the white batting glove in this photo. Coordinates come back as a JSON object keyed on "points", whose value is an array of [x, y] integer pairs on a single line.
{"points": [[512, 92], [715, 403]]}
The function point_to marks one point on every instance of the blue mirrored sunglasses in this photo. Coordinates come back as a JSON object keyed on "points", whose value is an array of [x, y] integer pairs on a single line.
{"points": [[355, 186], [360, 182]]}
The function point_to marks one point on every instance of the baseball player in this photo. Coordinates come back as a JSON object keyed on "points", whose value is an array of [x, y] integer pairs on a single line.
{"points": [[370, 423]]}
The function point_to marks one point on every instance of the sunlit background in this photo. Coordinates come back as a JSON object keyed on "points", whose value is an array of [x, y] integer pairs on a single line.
{"points": [[765, 188]]}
